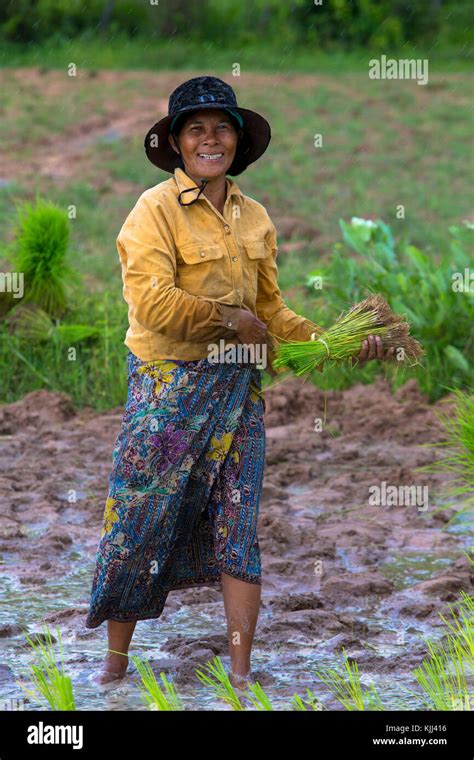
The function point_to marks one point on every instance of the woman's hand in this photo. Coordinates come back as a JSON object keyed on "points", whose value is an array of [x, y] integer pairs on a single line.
{"points": [[252, 330], [372, 349]]}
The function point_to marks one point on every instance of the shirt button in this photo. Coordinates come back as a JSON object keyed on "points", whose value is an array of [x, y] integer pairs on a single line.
{"points": [[227, 228], [229, 324], [202, 253], [234, 258]]}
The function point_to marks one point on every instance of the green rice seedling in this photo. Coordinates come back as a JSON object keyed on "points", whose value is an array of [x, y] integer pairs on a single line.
{"points": [[300, 704], [459, 446], [344, 339], [260, 700], [462, 626], [152, 694], [442, 676], [42, 240], [346, 687], [50, 682], [217, 679]]}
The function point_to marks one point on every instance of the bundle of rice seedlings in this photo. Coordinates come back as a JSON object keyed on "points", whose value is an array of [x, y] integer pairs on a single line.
{"points": [[343, 340], [33, 324], [40, 249]]}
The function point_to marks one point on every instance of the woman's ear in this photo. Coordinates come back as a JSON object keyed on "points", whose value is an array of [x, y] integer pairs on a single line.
{"points": [[172, 142]]}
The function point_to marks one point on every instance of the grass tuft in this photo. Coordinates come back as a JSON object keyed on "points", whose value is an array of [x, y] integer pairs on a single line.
{"points": [[156, 697], [345, 685], [215, 677], [49, 680]]}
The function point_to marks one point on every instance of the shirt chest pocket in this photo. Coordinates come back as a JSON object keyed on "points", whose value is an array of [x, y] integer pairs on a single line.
{"points": [[255, 250], [200, 269], [253, 253]]}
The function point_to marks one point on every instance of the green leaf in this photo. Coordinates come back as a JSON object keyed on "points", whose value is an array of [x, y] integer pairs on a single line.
{"points": [[457, 359]]}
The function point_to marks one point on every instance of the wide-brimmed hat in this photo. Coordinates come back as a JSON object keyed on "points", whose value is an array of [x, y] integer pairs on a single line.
{"points": [[208, 92]]}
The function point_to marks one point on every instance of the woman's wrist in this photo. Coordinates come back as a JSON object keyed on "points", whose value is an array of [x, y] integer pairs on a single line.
{"points": [[230, 315]]}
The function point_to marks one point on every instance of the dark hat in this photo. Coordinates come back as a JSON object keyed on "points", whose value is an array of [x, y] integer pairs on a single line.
{"points": [[194, 95]]}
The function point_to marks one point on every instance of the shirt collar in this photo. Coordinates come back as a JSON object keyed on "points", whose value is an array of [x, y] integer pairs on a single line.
{"points": [[183, 182]]}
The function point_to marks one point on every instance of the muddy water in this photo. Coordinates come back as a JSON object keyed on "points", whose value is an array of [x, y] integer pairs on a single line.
{"points": [[337, 571]]}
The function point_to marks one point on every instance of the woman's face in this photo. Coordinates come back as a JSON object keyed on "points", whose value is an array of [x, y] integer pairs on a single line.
{"points": [[210, 132]]}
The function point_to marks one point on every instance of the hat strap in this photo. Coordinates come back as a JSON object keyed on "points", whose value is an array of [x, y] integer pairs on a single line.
{"points": [[201, 188]]}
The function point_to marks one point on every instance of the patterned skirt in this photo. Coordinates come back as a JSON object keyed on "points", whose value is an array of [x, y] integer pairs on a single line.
{"points": [[185, 486]]}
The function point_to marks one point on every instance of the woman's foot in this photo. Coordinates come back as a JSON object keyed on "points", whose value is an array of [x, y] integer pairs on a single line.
{"points": [[113, 669], [240, 682]]}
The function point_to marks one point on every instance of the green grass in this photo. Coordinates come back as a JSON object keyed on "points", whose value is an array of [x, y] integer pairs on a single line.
{"points": [[121, 52], [92, 369], [460, 442]]}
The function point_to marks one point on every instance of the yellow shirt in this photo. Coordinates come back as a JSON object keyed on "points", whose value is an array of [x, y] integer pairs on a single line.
{"points": [[188, 270]]}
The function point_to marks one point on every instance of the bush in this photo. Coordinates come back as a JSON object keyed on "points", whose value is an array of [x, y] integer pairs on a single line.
{"points": [[37, 20], [427, 291], [348, 23]]}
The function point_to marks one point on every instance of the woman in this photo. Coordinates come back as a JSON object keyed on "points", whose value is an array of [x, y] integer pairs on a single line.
{"points": [[199, 273]]}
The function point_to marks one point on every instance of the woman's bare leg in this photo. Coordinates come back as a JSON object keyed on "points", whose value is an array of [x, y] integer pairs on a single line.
{"points": [[242, 604], [115, 665]]}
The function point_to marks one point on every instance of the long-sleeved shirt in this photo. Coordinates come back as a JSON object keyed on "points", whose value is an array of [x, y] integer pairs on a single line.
{"points": [[188, 270]]}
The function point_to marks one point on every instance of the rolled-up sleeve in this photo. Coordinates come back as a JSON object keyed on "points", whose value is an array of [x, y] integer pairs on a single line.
{"points": [[280, 319], [147, 254]]}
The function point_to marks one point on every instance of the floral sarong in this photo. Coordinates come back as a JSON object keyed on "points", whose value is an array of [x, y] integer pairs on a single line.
{"points": [[185, 486]]}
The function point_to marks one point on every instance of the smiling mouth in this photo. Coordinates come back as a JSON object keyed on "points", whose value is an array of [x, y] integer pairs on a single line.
{"points": [[211, 156]]}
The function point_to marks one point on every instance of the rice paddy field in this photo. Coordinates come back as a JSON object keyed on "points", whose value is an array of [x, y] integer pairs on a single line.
{"points": [[346, 579]]}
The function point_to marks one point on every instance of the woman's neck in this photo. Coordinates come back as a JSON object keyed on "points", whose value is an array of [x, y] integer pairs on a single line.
{"points": [[215, 190]]}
